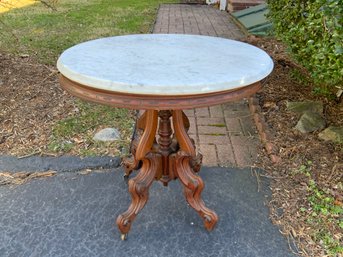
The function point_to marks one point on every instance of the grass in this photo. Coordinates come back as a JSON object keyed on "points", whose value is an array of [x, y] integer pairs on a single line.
{"points": [[75, 134], [218, 125], [38, 30], [45, 32], [324, 212]]}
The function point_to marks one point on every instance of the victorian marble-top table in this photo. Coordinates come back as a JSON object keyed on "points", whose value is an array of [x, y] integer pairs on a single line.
{"points": [[163, 74]]}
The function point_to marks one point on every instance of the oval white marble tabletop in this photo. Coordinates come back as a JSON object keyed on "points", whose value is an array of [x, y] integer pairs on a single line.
{"points": [[164, 64]]}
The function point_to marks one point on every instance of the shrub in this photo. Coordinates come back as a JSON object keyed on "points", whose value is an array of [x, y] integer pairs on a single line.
{"points": [[313, 32]]}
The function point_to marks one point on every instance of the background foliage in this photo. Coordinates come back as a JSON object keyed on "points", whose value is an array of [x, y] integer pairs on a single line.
{"points": [[312, 29]]}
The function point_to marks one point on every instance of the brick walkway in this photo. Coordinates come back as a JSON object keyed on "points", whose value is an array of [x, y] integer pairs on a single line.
{"points": [[225, 134]]}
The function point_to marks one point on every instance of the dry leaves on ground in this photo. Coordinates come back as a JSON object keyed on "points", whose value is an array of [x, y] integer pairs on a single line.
{"points": [[311, 170], [31, 102], [7, 178]]}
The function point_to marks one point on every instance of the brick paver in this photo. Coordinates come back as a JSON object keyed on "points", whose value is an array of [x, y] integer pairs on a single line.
{"points": [[195, 19], [225, 134]]}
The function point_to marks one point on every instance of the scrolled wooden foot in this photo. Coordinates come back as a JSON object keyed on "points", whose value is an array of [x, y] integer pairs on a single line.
{"points": [[139, 185], [186, 164], [193, 186], [139, 190]]}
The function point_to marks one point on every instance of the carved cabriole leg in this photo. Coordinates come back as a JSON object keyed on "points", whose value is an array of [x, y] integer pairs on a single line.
{"points": [[139, 185], [197, 160], [141, 121], [130, 163], [185, 121], [174, 146], [193, 184]]}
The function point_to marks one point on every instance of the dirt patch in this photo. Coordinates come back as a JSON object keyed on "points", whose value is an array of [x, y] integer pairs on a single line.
{"points": [[307, 191], [31, 102]]}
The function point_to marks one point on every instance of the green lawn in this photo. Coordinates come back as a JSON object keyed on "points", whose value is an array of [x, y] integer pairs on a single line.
{"points": [[42, 31]]}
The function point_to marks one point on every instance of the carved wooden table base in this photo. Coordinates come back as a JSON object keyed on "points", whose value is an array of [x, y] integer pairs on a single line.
{"points": [[172, 155], [105, 71]]}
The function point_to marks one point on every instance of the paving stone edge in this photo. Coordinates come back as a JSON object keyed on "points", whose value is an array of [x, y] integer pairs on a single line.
{"points": [[152, 26], [264, 132]]}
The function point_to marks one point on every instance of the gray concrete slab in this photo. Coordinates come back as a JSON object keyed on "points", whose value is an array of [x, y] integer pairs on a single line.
{"points": [[74, 215]]}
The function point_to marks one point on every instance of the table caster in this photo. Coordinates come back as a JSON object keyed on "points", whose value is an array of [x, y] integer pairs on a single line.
{"points": [[123, 237]]}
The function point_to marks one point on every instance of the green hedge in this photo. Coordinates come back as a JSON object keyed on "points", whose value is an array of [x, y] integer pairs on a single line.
{"points": [[313, 31]]}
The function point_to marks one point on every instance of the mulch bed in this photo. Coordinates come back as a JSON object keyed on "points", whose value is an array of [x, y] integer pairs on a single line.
{"points": [[31, 102], [290, 188]]}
